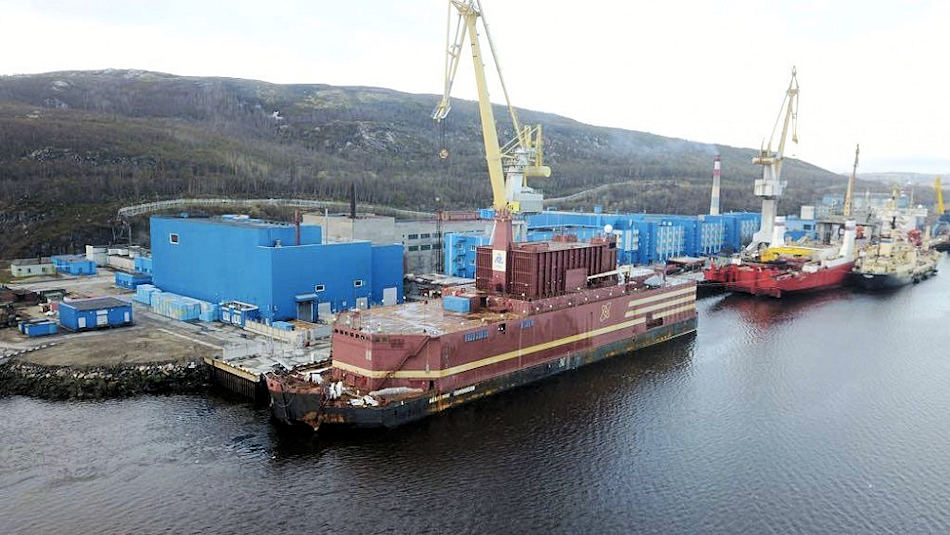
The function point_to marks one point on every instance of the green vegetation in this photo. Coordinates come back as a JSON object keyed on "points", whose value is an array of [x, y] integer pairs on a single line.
{"points": [[75, 146]]}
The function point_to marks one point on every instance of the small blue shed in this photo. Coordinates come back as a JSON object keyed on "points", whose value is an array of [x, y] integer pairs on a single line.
{"points": [[74, 264], [87, 314]]}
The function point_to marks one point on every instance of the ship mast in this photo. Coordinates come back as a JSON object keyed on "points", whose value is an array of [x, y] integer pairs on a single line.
{"points": [[770, 186], [850, 191]]}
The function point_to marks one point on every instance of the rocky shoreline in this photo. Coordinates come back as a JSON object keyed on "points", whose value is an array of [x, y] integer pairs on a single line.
{"points": [[18, 377]]}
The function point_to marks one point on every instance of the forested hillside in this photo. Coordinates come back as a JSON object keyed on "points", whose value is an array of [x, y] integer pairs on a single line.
{"points": [[74, 146]]}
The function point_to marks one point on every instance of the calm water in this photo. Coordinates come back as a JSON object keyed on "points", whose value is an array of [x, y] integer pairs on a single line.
{"points": [[826, 414]]}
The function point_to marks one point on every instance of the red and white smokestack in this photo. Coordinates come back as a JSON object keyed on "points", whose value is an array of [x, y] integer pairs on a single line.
{"points": [[714, 201]]}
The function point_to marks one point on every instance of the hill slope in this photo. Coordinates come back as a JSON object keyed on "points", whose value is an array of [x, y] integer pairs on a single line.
{"points": [[76, 145]]}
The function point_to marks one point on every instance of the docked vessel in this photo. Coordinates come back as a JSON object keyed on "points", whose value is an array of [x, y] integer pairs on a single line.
{"points": [[894, 262], [784, 269], [900, 256], [537, 309]]}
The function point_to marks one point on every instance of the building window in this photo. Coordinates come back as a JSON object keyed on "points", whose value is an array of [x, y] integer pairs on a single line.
{"points": [[319, 288], [425, 247], [473, 248], [173, 238], [413, 247], [436, 245], [413, 236], [357, 283], [424, 236]]}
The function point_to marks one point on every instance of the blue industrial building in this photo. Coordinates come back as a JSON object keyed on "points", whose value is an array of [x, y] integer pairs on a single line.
{"points": [[235, 258], [86, 314], [641, 238], [74, 264]]}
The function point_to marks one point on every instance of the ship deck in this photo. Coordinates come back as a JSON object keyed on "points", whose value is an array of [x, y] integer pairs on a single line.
{"points": [[429, 318], [424, 317]]}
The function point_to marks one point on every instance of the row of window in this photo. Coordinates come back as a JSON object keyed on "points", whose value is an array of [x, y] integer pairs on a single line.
{"points": [[322, 287], [425, 236], [436, 247]]}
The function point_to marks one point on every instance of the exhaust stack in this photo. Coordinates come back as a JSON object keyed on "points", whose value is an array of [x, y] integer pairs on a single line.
{"points": [[714, 200], [778, 232], [847, 242]]}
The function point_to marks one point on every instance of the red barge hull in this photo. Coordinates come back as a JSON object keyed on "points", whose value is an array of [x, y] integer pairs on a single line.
{"points": [[486, 354], [776, 280], [308, 409]]}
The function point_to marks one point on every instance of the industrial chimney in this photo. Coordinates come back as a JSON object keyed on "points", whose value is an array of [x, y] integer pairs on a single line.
{"points": [[714, 201]]}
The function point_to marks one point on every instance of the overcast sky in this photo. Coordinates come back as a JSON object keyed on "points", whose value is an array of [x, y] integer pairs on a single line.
{"points": [[873, 72]]}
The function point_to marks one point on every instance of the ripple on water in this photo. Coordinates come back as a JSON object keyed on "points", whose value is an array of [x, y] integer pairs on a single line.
{"points": [[822, 413]]}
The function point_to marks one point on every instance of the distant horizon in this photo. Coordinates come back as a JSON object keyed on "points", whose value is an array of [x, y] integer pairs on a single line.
{"points": [[177, 75], [698, 71]]}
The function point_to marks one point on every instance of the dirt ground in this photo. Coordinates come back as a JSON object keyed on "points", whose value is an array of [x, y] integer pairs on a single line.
{"points": [[123, 345]]}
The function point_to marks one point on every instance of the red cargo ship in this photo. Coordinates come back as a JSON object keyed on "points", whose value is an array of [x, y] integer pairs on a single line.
{"points": [[537, 309], [776, 279], [787, 269]]}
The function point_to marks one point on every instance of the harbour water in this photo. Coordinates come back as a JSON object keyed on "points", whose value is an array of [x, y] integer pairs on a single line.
{"points": [[824, 414]]}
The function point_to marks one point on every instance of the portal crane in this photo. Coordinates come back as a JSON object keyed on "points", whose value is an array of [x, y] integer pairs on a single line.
{"points": [[770, 186], [941, 212], [509, 166], [849, 193]]}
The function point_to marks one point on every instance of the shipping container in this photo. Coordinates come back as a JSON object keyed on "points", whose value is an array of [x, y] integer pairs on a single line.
{"points": [[454, 303], [131, 281], [144, 293], [238, 313], [36, 328], [143, 264]]}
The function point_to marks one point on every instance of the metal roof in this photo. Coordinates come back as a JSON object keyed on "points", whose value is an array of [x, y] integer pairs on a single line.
{"points": [[96, 303]]}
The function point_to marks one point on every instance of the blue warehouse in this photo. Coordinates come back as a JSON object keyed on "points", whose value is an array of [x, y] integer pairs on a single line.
{"points": [[641, 238], [260, 263]]}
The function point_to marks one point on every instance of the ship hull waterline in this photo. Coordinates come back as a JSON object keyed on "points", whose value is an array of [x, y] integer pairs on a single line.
{"points": [[868, 281], [308, 410], [887, 281]]}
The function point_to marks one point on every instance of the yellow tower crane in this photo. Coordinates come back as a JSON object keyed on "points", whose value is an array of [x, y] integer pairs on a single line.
{"points": [[509, 166], [939, 192]]}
